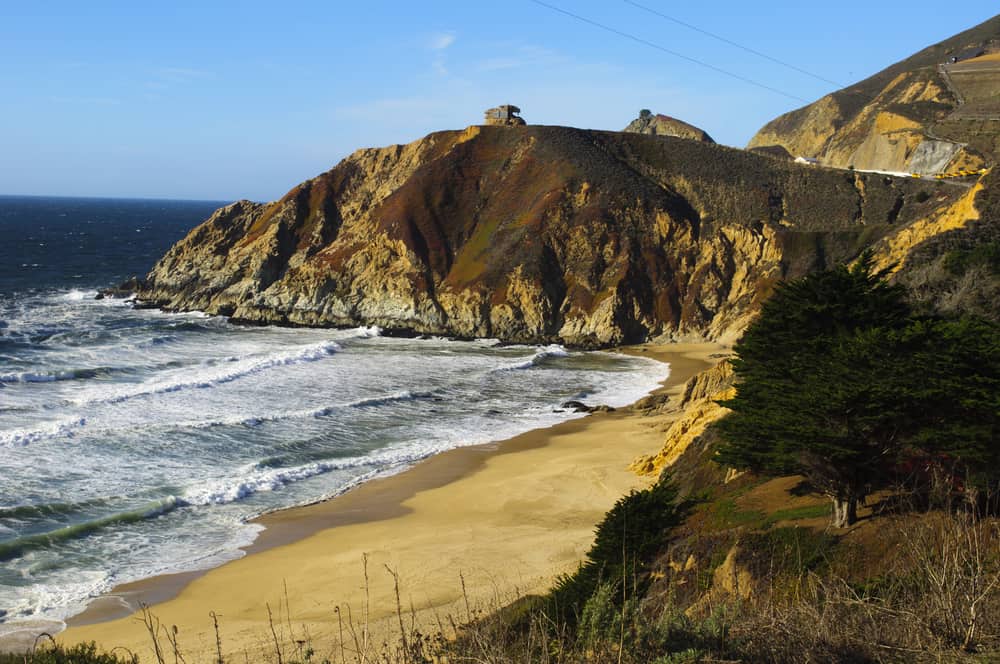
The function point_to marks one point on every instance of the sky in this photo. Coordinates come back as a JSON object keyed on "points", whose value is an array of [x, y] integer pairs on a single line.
{"points": [[227, 100]]}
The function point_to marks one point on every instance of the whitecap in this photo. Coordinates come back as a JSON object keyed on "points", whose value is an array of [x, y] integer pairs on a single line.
{"points": [[240, 367], [58, 429], [29, 377], [542, 354], [76, 295]]}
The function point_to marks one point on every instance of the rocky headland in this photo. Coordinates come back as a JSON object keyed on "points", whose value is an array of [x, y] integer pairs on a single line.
{"points": [[535, 234]]}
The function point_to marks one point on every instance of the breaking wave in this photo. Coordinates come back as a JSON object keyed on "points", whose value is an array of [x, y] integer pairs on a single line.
{"points": [[553, 350], [236, 369], [21, 545], [62, 428]]}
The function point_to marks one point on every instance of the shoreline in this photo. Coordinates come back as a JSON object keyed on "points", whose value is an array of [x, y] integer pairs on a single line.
{"points": [[350, 525]]}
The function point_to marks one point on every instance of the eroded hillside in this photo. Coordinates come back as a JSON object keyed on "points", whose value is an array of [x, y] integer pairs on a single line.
{"points": [[533, 234], [925, 114]]}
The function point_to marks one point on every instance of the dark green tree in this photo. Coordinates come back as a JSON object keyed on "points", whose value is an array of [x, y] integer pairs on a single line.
{"points": [[950, 372], [810, 397], [838, 383]]}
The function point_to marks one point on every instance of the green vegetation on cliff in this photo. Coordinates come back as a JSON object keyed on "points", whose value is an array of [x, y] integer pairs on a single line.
{"points": [[838, 383], [632, 532]]}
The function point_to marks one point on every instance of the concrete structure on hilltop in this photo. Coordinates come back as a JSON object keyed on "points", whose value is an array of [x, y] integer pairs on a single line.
{"points": [[505, 115]]}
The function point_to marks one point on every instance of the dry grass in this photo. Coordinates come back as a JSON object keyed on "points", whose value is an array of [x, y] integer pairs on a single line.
{"points": [[939, 602], [928, 590]]}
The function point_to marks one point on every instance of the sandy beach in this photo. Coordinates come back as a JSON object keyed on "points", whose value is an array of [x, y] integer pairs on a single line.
{"points": [[506, 518]]}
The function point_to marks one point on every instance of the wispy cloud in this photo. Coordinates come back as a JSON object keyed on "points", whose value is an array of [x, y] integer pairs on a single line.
{"points": [[439, 41]]}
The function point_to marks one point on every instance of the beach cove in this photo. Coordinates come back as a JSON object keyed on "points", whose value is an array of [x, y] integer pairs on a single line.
{"points": [[500, 520]]}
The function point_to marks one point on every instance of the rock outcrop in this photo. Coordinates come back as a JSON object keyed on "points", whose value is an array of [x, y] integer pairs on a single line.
{"points": [[698, 409], [732, 580], [924, 114], [538, 235], [776, 151], [664, 125], [949, 260]]}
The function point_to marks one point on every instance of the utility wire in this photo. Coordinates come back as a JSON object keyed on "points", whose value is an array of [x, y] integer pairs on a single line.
{"points": [[732, 43], [640, 40]]}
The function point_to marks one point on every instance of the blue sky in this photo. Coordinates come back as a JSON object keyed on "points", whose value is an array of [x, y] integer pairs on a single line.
{"points": [[226, 100]]}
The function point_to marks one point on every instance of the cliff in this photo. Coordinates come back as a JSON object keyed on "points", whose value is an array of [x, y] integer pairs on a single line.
{"points": [[925, 114], [950, 260], [698, 409], [542, 234]]}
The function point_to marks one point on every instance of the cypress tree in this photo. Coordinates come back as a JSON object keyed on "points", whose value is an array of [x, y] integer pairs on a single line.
{"points": [[837, 382], [809, 396]]}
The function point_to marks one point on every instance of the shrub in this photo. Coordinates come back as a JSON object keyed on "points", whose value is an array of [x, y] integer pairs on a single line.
{"points": [[630, 534], [987, 255], [787, 550], [81, 653]]}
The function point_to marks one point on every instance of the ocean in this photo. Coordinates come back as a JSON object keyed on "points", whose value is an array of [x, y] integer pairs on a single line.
{"points": [[135, 443]]}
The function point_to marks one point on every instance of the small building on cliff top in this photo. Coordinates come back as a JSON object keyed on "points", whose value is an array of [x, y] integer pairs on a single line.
{"points": [[505, 115]]}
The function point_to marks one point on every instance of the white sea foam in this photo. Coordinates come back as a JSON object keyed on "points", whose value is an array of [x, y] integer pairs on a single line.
{"points": [[235, 369], [67, 428], [255, 420], [405, 395], [368, 332], [76, 295], [553, 350], [255, 479], [59, 429], [32, 377]]}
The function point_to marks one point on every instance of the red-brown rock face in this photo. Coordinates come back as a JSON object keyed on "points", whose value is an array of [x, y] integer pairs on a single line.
{"points": [[531, 234]]}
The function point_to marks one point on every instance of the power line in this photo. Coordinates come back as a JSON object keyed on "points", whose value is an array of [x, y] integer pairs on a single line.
{"points": [[732, 43], [696, 61]]}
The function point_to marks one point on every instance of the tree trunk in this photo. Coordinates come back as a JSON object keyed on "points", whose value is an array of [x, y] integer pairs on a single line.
{"points": [[845, 511], [852, 511]]}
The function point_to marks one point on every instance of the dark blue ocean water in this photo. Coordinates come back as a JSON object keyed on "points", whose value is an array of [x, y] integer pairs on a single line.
{"points": [[87, 242], [135, 442]]}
